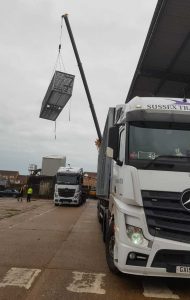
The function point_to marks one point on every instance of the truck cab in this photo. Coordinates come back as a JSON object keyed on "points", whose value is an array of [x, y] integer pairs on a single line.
{"points": [[144, 207], [68, 187]]}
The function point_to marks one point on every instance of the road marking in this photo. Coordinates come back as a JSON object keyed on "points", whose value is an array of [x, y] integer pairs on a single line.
{"points": [[86, 221], [157, 290], [20, 277], [87, 283], [43, 213], [30, 219]]}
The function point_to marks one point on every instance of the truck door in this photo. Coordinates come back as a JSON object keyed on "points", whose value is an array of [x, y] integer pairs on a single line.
{"points": [[118, 186]]}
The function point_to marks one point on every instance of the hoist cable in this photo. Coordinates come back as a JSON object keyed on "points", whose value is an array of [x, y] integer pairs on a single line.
{"points": [[55, 130], [69, 110], [59, 63], [59, 60], [55, 66], [60, 39]]}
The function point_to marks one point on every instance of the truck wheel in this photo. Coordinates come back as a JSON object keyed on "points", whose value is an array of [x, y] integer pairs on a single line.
{"points": [[98, 214], [110, 242], [105, 226]]}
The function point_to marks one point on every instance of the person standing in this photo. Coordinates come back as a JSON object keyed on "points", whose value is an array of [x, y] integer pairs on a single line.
{"points": [[29, 194], [21, 193]]}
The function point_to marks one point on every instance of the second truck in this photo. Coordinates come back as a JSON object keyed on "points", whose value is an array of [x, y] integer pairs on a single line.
{"points": [[69, 186], [144, 187]]}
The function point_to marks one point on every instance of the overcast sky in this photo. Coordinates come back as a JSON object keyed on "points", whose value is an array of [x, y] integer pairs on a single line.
{"points": [[109, 36]]}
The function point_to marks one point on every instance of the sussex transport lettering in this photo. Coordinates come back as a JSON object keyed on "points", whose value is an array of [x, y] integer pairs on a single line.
{"points": [[169, 107]]}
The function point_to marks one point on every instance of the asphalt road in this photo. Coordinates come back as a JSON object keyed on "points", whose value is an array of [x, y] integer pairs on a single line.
{"points": [[51, 253]]}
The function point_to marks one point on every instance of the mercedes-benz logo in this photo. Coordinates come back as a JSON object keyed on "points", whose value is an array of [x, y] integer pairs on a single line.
{"points": [[185, 199]]}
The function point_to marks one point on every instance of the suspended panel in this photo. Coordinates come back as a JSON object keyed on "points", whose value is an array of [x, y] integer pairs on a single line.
{"points": [[57, 95]]}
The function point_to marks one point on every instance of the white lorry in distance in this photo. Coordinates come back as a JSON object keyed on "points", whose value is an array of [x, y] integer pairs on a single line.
{"points": [[143, 187], [68, 186]]}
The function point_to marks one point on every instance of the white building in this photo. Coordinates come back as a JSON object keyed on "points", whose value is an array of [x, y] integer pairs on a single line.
{"points": [[51, 163]]}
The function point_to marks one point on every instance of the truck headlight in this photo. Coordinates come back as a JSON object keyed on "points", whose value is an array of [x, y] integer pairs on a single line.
{"points": [[136, 236]]}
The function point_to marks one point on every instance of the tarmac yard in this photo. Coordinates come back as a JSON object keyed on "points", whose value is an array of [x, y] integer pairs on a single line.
{"points": [[50, 253]]}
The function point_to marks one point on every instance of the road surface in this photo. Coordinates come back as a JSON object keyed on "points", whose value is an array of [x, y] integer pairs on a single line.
{"points": [[52, 253]]}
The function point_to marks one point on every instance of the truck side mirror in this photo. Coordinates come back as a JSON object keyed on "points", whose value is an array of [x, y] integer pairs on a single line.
{"points": [[112, 148]]}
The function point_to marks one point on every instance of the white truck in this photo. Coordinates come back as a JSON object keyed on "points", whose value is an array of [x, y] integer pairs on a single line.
{"points": [[143, 181], [144, 187], [68, 186]]}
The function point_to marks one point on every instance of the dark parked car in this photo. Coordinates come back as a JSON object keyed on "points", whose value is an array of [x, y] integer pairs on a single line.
{"points": [[9, 193]]}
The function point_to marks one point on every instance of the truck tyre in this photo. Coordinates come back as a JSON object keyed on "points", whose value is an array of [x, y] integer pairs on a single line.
{"points": [[104, 228], [110, 242], [98, 214], [105, 225], [83, 198], [78, 204]]}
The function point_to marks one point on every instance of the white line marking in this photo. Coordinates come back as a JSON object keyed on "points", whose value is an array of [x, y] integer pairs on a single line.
{"points": [[157, 290], [86, 221], [20, 277], [87, 283], [43, 213], [30, 219]]}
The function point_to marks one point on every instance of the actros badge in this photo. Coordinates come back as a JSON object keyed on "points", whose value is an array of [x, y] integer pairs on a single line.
{"points": [[185, 199]]}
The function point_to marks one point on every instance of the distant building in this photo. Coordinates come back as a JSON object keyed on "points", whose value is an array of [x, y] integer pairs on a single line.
{"points": [[90, 179], [3, 183], [22, 179], [11, 176], [8, 178]]}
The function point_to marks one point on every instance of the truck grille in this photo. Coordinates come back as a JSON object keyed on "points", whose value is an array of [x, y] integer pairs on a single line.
{"points": [[166, 217], [163, 258], [66, 192]]}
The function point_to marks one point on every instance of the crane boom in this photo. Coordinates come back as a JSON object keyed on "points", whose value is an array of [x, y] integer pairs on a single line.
{"points": [[83, 77]]}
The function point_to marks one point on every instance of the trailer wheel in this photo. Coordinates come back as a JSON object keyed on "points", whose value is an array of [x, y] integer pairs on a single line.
{"points": [[110, 242]]}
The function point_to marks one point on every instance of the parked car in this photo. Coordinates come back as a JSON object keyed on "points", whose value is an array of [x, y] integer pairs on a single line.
{"points": [[9, 193]]}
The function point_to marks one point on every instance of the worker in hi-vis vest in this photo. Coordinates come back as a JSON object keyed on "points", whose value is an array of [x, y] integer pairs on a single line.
{"points": [[29, 194]]}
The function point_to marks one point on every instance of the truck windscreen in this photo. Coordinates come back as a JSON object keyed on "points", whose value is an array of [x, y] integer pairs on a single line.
{"points": [[167, 144], [67, 179]]}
